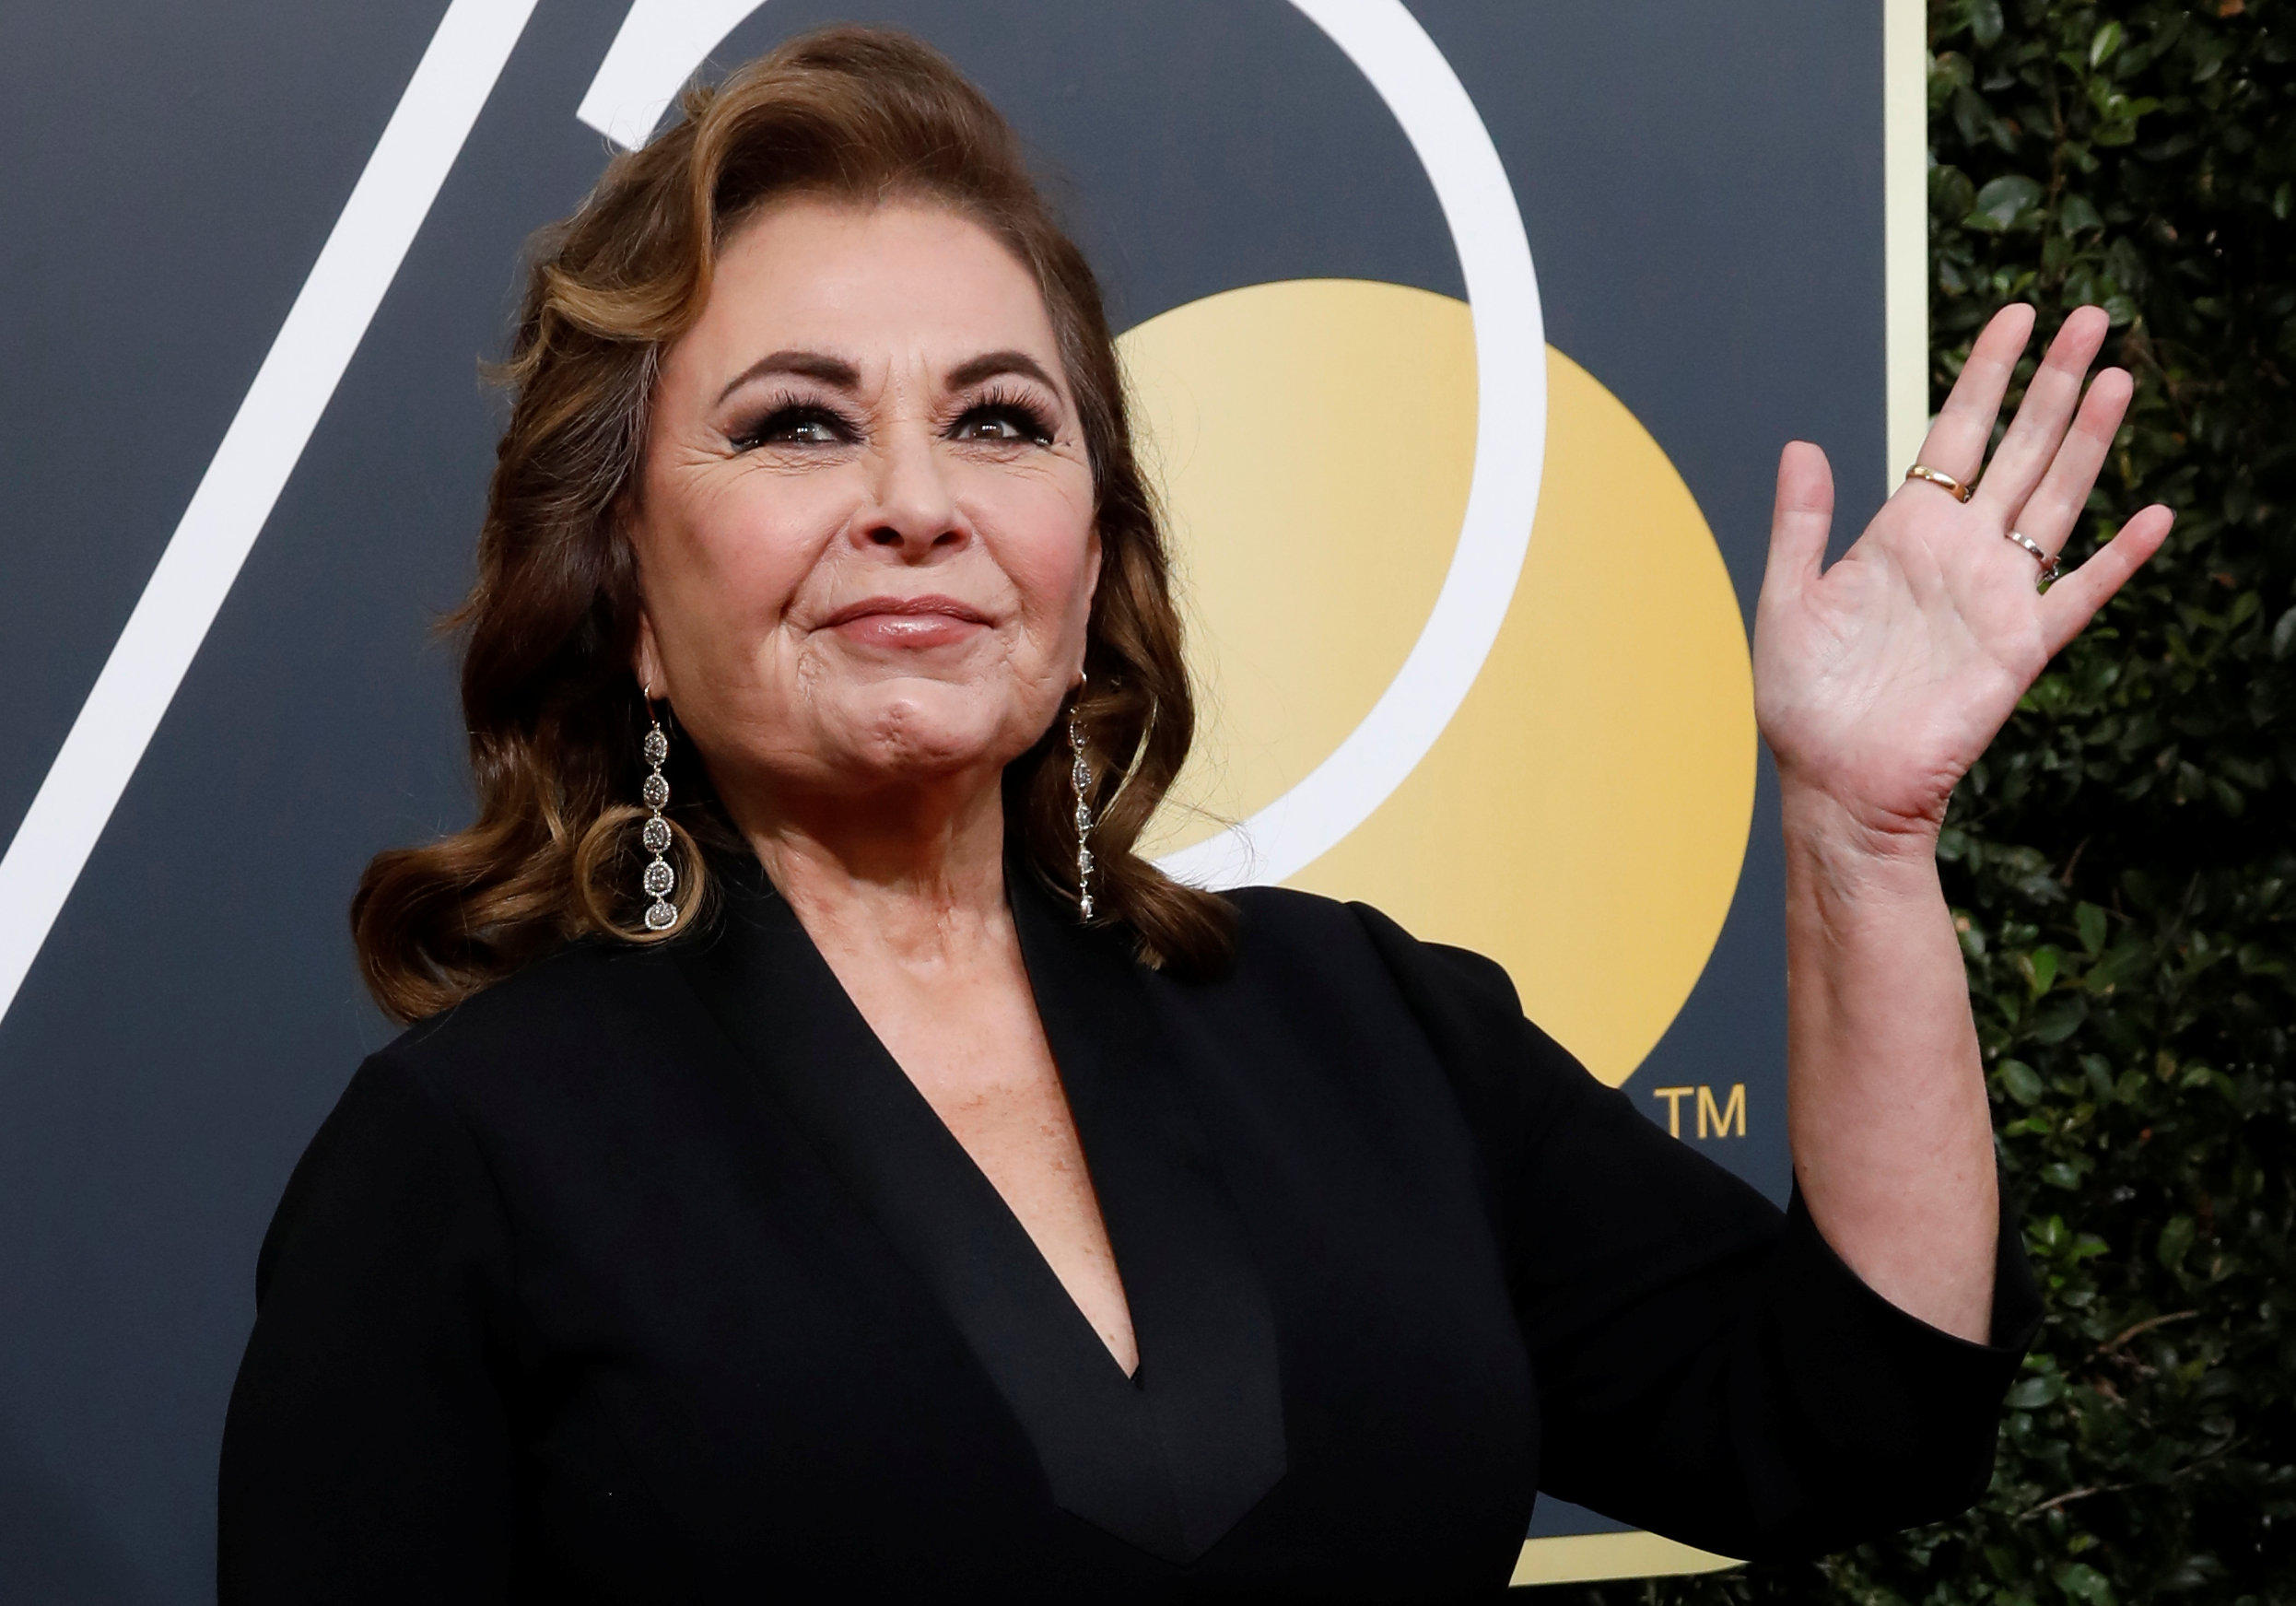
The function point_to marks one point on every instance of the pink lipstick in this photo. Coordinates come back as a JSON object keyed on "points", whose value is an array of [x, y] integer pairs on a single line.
{"points": [[909, 622]]}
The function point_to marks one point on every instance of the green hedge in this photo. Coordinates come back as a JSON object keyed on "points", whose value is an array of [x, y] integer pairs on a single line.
{"points": [[2123, 863]]}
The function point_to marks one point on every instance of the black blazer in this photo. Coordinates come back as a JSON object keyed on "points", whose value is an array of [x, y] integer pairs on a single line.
{"points": [[648, 1276]]}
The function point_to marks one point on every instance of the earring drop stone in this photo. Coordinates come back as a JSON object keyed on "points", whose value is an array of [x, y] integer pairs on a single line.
{"points": [[658, 880], [1080, 783]]}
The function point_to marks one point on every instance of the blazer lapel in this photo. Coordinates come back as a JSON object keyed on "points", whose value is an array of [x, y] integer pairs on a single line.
{"points": [[1168, 1460], [1209, 1359]]}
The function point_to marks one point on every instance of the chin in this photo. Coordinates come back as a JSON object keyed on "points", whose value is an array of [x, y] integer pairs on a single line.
{"points": [[929, 730]]}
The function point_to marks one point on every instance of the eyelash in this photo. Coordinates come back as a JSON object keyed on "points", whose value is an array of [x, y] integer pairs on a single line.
{"points": [[1008, 406], [1014, 408], [789, 413]]}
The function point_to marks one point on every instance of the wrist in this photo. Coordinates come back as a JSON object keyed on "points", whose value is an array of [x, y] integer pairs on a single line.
{"points": [[1847, 840]]}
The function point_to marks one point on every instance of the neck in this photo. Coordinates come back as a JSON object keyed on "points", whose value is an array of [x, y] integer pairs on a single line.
{"points": [[912, 872]]}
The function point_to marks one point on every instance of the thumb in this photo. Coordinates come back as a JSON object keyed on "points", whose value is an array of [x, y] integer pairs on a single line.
{"points": [[1801, 517]]}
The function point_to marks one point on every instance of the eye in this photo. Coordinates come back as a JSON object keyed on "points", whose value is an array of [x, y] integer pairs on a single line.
{"points": [[1005, 422], [799, 424]]}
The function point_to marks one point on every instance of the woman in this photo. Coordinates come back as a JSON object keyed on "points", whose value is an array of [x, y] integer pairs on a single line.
{"points": [[830, 1160]]}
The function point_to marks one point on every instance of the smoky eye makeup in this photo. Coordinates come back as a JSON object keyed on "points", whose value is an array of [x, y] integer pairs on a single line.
{"points": [[1000, 414], [1005, 416], [790, 420]]}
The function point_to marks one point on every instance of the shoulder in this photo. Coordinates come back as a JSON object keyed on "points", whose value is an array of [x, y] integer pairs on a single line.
{"points": [[431, 1118], [562, 1003], [1281, 931], [563, 1027], [1330, 956]]}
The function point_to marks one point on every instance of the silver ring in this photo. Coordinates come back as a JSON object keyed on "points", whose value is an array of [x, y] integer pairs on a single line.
{"points": [[2049, 566]]}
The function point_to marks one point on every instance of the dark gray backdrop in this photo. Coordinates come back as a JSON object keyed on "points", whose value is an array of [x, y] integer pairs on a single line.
{"points": [[1702, 188]]}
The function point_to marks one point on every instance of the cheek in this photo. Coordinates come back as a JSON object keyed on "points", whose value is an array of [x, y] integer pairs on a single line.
{"points": [[1046, 550], [738, 551]]}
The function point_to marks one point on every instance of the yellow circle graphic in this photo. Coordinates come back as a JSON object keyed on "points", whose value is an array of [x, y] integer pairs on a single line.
{"points": [[1583, 817]]}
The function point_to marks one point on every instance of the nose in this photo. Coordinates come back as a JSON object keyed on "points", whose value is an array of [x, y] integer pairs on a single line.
{"points": [[912, 509]]}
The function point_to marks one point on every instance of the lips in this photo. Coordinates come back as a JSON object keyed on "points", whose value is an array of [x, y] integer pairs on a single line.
{"points": [[911, 622]]}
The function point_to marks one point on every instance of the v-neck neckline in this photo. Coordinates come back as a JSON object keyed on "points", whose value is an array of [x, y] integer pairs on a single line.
{"points": [[1170, 1458]]}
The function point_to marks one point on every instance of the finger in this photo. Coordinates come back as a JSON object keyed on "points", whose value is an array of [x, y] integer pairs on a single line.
{"points": [[2073, 601], [1801, 517], [2031, 440], [1956, 442], [2050, 513]]}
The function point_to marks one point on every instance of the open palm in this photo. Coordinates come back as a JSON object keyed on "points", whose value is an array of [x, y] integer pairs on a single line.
{"points": [[1877, 681]]}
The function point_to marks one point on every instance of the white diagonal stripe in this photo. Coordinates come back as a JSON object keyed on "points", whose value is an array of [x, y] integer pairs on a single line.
{"points": [[250, 469]]}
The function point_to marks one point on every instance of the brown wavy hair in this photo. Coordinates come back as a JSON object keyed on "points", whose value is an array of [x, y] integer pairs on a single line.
{"points": [[554, 710]]}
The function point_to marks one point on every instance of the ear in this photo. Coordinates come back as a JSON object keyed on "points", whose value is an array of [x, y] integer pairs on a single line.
{"points": [[646, 663], [1092, 590]]}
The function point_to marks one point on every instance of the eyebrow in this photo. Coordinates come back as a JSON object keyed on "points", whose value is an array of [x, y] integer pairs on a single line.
{"points": [[990, 364], [812, 365], [837, 371]]}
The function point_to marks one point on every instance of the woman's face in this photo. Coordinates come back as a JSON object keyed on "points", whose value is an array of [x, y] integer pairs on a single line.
{"points": [[864, 528]]}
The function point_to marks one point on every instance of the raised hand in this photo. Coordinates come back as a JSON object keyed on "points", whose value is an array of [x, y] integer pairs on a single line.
{"points": [[1877, 681]]}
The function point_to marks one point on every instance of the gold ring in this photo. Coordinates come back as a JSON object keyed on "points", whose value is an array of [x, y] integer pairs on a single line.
{"points": [[2049, 566], [1938, 477]]}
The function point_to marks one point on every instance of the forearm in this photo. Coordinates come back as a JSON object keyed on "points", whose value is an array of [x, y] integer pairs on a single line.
{"points": [[1886, 1104], [1878, 681]]}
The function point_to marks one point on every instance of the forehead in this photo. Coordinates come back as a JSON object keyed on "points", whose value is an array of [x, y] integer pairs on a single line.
{"points": [[894, 281]]}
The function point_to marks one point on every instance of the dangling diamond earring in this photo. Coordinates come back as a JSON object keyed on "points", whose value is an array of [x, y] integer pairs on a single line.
{"points": [[654, 791], [1080, 779]]}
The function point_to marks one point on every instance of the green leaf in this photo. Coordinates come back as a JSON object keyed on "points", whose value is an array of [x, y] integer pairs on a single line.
{"points": [[2020, 1081], [2032, 1393], [2075, 215], [2107, 40], [2003, 202], [2090, 919], [2043, 966], [2176, 1242], [2082, 1582], [2059, 1018]]}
